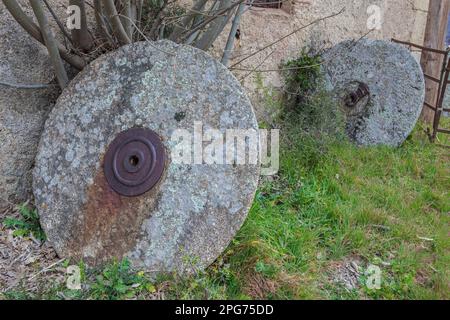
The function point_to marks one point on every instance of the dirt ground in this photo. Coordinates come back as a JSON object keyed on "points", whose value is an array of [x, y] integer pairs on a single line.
{"points": [[25, 262]]}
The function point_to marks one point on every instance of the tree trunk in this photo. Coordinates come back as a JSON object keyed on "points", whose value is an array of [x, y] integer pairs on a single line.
{"points": [[435, 33]]}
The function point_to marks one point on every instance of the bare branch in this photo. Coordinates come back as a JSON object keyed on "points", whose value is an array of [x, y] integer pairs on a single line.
{"points": [[50, 43], [101, 25], [216, 27], [230, 41], [126, 11], [133, 15], [185, 22], [146, 39], [26, 85], [192, 37], [58, 22], [32, 29], [205, 22], [140, 6], [255, 69], [114, 17], [158, 19]]}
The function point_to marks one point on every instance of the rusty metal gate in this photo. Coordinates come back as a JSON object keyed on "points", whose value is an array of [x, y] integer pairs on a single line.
{"points": [[442, 80]]}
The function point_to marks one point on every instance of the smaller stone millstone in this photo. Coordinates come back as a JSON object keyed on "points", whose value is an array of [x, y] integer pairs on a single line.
{"points": [[22, 111], [111, 127], [381, 88]]}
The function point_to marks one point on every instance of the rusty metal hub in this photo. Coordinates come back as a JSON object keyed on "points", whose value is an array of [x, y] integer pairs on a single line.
{"points": [[134, 162]]}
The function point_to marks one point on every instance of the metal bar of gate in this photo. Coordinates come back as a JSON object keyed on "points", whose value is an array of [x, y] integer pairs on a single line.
{"points": [[426, 104], [432, 78], [440, 103], [442, 79], [442, 88], [419, 47]]}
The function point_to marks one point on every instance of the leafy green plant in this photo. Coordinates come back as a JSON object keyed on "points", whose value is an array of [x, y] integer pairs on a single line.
{"points": [[27, 224], [119, 281], [311, 119], [302, 77]]}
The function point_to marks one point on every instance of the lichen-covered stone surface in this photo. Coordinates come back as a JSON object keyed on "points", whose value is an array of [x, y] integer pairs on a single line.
{"points": [[194, 211], [396, 86], [22, 111]]}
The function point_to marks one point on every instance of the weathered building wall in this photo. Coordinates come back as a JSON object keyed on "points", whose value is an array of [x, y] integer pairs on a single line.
{"points": [[403, 19]]}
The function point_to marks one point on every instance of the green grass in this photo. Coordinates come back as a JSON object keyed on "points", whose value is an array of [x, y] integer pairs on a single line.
{"points": [[387, 206], [378, 203]]}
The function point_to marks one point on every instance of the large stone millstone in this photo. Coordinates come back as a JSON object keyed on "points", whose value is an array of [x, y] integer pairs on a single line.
{"points": [[193, 211], [381, 87]]}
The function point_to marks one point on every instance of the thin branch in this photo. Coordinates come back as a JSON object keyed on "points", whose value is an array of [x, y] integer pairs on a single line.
{"points": [[146, 39], [197, 14], [158, 19], [216, 27], [255, 69], [133, 16], [315, 65], [33, 30], [127, 22], [230, 41], [50, 43], [192, 37], [46, 269], [101, 25], [26, 85], [178, 30], [277, 69], [140, 6], [58, 22], [205, 22], [114, 18]]}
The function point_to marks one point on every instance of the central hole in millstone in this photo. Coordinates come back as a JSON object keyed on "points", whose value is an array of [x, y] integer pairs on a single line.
{"points": [[356, 92], [134, 160]]}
